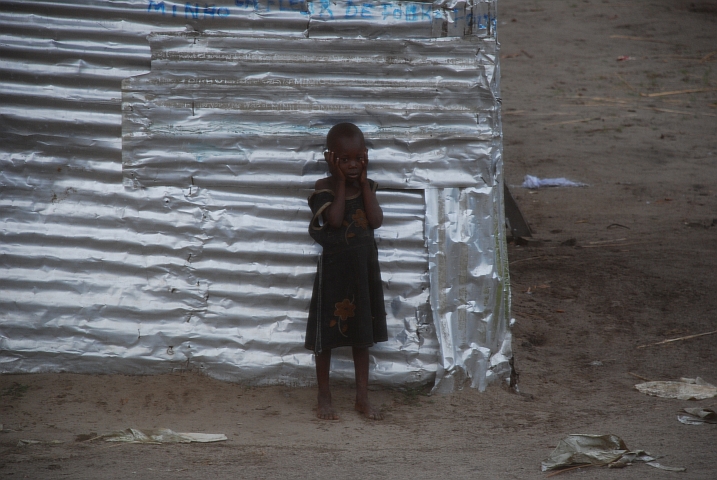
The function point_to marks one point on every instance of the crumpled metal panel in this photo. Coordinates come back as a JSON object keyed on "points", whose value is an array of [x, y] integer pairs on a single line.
{"points": [[216, 275], [469, 288]]}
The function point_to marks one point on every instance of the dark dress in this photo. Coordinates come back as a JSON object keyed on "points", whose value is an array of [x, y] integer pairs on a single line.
{"points": [[347, 301]]}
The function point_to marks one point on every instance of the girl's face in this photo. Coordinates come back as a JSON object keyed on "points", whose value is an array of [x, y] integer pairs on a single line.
{"points": [[350, 154]]}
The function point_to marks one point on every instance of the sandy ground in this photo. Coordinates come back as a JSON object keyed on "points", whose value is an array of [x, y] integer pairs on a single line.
{"points": [[626, 261]]}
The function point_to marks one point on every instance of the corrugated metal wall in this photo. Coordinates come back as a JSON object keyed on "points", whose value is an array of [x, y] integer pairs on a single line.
{"points": [[201, 262]]}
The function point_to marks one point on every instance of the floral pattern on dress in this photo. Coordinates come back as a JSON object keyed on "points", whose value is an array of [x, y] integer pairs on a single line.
{"points": [[344, 310], [360, 219]]}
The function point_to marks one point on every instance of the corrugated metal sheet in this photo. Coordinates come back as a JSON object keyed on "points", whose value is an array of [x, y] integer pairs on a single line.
{"points": [[202, 261], [238, 111]]}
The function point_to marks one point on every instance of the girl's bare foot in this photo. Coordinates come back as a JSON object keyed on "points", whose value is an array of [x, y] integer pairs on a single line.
{"points": [[325, 411], [368, 411]]}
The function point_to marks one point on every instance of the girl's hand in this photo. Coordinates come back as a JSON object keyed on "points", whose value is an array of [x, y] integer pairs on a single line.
{"points": [[334, 169], [363, 179]]}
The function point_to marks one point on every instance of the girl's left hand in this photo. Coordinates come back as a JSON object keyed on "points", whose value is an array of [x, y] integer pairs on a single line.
{"points": [[363, 179]]}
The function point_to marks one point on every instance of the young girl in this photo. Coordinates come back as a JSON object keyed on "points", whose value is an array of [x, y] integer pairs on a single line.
{"points": [[347, 307]]}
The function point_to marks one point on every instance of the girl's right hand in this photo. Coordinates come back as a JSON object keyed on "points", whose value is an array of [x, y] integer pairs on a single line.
{"points": [[334, 169]]}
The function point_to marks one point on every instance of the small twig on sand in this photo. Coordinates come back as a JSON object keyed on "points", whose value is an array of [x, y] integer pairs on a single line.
{"points": [[618, 101], [568, 469], [526, 259], [667, 110], [625, 82], [535, 258], [639, 376], [617, 225], [678, 92], [608, 241], [708, 56], [582, 120], [611, 100], [687, 337], [526, 54]]}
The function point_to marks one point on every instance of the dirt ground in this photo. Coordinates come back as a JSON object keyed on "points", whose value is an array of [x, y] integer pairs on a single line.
{"points": [[626, 261]]}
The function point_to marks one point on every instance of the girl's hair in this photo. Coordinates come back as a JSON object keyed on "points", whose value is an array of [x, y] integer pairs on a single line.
{"points": [[342, 130]]}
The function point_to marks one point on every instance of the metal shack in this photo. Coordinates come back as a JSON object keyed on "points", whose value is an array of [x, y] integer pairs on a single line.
{"points": [[156, 161]]}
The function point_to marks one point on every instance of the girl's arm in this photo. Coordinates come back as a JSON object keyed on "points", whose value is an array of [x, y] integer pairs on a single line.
{"points": [[334, 215], [374, 214]]}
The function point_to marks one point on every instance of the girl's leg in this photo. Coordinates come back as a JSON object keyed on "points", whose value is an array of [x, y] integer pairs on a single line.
{"points": [[361, 369], [325, 410]]}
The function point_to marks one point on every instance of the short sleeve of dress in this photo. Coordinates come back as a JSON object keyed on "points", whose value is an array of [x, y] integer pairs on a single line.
{"points": [[318, 202]]}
